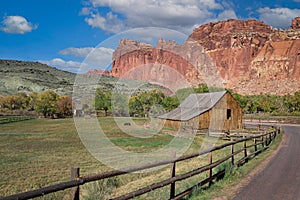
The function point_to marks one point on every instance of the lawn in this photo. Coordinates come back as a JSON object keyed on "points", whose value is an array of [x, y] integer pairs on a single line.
{"points": [[40, 152]]}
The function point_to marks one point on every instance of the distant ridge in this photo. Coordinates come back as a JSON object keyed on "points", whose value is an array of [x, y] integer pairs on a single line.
{"points": [[23, 76]]}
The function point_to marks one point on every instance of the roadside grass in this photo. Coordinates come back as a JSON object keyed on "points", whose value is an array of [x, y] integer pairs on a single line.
{"points": [[233, 176], [40, 152]]}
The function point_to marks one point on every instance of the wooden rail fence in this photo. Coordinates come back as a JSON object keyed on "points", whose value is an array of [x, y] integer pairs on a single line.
{"points": [[258, 143]]}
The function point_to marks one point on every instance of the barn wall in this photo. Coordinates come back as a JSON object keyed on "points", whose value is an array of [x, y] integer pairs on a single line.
{"points": [[172, 124], [236, 119], [214, 119], [219, 120]]}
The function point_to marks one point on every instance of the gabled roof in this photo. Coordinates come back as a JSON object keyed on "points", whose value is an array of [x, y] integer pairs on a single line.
{"points": [[194, 105]]}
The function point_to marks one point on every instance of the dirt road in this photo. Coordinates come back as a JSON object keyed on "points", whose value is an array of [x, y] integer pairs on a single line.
{"points": [[280, 180]]}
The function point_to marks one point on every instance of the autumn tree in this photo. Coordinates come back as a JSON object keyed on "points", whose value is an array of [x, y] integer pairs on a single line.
{"points": [[64, 106], [46, 103]]}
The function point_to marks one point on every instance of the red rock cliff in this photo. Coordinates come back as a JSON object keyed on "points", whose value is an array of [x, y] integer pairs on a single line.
{"points": [[250, 56]]}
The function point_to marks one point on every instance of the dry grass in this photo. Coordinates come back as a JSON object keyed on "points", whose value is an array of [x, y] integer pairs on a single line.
{"points": [[40, 152]]}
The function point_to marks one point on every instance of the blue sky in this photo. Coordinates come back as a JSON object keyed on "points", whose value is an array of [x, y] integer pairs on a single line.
{"points": [[62, 33]]}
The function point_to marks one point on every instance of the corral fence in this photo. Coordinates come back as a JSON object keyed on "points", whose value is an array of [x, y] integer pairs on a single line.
{"points": [[273, 120], [251, 146]]}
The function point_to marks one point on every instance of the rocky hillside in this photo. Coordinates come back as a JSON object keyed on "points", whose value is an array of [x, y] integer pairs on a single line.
{"points": [[250, 56], [20, 76]]}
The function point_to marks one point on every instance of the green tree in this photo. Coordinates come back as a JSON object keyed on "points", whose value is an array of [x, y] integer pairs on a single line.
{"points": [[170, 103], [135, 106], [120, 104], [202, 88], [147, 103], [103, 101], [46, 103]]}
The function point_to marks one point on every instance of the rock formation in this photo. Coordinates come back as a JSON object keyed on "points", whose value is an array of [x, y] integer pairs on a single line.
{"points": [[251, 57]]}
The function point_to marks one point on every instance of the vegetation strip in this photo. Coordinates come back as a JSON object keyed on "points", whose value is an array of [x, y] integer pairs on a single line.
{"points": [[85, 179]]}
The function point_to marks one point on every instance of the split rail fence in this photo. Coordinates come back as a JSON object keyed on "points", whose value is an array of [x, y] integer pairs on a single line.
{"points": [[258, 143]]}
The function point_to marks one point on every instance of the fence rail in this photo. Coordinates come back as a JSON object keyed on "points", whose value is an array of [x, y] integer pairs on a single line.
{"points": [[263, 140]]}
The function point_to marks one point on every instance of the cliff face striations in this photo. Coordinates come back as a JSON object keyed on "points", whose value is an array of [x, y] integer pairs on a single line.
{"points": [[250, 57], [168, 63]]}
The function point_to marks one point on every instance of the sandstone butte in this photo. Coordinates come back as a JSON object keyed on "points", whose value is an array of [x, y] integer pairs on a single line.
{"points": [[249, 57]]}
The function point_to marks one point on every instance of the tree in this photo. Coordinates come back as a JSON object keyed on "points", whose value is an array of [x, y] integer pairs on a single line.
{"points": [[103, 101], [147, 103], [135, 106], [119, 104], [202, 88], [170, 103], [64, 106], [46, 103], [32, 100]]}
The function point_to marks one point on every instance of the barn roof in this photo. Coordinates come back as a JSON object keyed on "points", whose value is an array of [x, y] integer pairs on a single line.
{"points": [[194, 105]]}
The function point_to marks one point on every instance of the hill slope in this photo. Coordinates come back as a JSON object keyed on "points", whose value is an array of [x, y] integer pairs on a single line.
{"points": [[20, 76]]}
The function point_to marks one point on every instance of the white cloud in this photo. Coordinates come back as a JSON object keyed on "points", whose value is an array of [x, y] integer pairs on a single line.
{"points": [[227, 14], [97, 57], [85, 11], [180, 15], [64, 65], [17, 24], [110, 23], [278, 17]]}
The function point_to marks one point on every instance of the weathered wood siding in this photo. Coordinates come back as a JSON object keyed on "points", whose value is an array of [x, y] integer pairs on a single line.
{"points": [[216, 118], [218, 115]]}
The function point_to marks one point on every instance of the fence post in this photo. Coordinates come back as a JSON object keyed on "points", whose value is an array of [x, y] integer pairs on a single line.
{"points": [[172, 186], [210, 169], [232, 153], [255, 146], [245, 150], [173, 174], [75, 190]]}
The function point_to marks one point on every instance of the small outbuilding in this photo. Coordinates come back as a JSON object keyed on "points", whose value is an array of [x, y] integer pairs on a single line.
{"points": [[214, 111]]}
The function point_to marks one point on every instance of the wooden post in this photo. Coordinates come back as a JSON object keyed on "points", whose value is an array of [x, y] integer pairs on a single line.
{"points": [[75, 190], [172, 186], [255, 147], [210, 169], [173, 174], [245, 150], [232, 152]]}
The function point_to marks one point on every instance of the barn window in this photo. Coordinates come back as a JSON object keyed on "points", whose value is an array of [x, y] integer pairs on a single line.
{"points": [[228, 113]]}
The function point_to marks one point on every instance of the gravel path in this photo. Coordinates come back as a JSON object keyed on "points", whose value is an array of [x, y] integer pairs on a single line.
{"points": [[280, 180]]}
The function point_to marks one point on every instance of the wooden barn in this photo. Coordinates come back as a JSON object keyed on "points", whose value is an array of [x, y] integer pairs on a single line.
{"points": [[214, 111]]}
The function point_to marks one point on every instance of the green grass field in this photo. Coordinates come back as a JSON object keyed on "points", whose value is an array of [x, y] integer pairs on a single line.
{"points": [[40, 152]]}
